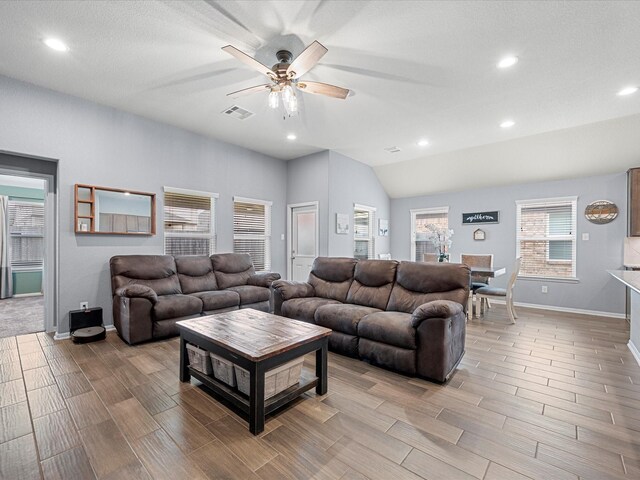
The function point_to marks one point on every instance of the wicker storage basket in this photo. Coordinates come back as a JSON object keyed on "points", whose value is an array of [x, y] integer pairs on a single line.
{"points": [[199, 359], [275, 380], [223, 370]]}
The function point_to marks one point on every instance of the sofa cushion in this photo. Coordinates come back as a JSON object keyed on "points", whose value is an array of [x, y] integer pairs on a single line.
{"points": [[342, 318], [195, 273], [217, 299], [172, 306], [378, 353], [251, 294], [418, 283], [232, 269], [372, 282], [332, 277], [392, 328], [158, 272], [304, 308]]}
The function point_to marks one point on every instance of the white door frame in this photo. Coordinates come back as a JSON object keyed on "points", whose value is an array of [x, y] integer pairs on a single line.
{"points": [[290, 208], [51, 253]]}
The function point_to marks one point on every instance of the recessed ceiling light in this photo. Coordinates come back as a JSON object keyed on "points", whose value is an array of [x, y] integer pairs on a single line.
{"points": [[423, 143], [627, 91], [507, 62], [507, 124], [291, 136], [56, 44]]}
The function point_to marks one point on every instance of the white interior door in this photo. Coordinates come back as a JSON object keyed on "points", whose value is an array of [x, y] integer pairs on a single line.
{"points": [[304, 240]]}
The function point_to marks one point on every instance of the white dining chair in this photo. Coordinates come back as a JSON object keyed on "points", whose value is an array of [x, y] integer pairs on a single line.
{"points": [[506, 293]]}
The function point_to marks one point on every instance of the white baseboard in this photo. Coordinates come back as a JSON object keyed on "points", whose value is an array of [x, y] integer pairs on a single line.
{"points": [[67, 335], [634, 351], [562, 309], [21, 295]]}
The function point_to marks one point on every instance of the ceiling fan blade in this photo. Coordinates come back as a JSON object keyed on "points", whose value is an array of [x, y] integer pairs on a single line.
{"points": [[306, 60], [323, 89], [246, 59], [249, 91]]}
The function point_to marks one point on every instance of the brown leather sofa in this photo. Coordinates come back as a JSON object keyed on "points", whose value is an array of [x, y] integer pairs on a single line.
{"points": [[406, 316], [152, 292]]}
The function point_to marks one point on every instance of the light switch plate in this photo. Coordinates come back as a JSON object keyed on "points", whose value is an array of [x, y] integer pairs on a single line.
{"points": [[585, 236]]}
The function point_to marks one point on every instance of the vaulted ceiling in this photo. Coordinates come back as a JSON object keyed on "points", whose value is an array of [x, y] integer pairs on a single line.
{"points": [[417, 70]]}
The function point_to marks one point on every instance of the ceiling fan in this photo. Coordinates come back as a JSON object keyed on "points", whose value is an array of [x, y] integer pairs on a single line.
{"points": [[285, 76]]}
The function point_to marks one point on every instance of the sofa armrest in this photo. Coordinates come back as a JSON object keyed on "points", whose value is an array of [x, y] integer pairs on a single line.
{"points": [[137, 291], [282, 290], [435, 309], [263, 279], [288, 290]]}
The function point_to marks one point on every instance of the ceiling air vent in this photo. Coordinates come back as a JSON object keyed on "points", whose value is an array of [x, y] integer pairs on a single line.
{"points": [[392, 149], [238, 112]]}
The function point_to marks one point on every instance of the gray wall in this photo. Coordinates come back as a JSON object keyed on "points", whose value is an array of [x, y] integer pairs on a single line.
{"points": [[354, 182], [337, 183], [103, 146], [596, 290], [308, 181]]}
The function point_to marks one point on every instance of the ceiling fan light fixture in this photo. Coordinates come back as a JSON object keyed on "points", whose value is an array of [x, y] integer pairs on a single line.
{"points": [[287, 93], [292, 104], [273, 99]]}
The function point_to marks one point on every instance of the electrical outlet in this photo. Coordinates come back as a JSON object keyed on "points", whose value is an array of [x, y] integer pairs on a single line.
{"points": [[84, 305], [544, 289]]}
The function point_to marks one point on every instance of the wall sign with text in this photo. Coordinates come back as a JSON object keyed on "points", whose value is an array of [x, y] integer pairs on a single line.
{"points": [[480, 217]]}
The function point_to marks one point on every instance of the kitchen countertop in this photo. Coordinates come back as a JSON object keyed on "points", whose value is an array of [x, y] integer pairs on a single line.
{"points": [[628, 277]]}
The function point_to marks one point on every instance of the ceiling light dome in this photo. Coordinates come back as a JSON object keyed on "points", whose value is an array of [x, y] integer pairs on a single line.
{"points": [[627, 91], [56, 44], [507, 62]]}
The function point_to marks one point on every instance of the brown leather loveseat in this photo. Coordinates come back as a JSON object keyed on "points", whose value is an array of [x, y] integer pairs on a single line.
{"points": [[152, 292], [406, 316]]}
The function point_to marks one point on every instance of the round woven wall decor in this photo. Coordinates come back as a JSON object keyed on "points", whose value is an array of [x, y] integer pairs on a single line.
{"points": [[601, 212]]}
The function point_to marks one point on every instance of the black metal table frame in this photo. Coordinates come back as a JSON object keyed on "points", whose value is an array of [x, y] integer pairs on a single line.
{"points": [[255, 407]]}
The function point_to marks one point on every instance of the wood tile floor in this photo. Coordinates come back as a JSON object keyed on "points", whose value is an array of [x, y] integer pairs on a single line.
{"points": [[555, 396]]}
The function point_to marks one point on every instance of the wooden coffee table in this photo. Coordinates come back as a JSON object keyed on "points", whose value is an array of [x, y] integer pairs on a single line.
{"points": [[257, 342]]}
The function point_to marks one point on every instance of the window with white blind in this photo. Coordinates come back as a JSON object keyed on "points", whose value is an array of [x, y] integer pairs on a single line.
{"points": [[420, 220], [546, 237], [189, 222], [26, 228], [364, 220], [252, 230]]}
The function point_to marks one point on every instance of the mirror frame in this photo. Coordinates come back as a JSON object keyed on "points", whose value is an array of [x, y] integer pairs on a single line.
{"points": [[91, 218]]}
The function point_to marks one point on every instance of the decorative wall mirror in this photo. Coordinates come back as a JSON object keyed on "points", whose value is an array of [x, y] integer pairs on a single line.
{"points": [[114, 211]]}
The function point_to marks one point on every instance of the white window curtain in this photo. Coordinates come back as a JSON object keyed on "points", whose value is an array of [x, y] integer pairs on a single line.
{"points": [[421, 218], [26, 228], [252, 230], [189, 222], [546, 237], [364, 221]]}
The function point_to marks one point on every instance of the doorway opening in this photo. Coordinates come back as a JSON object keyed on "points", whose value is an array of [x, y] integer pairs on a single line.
{"points": [[303, 239], [22, 243], [28, 244]]}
